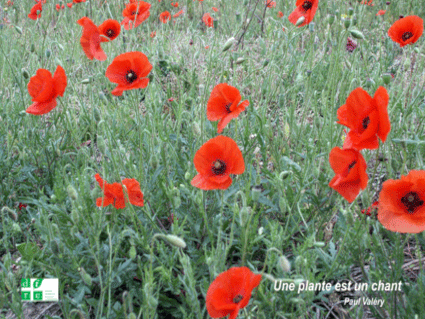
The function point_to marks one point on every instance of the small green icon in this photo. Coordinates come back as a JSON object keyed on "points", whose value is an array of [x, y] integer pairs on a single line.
{"points": [[26, 295], [37, 283], [38, 295], [25, 283]]}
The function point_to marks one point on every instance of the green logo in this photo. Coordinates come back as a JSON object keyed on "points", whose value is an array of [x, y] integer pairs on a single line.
{"points": [[25, 282], [37, 283], [38, 295], [26, 295]]}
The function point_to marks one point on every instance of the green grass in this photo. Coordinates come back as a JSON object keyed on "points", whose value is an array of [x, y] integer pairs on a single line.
{"points": [[106, 260]]}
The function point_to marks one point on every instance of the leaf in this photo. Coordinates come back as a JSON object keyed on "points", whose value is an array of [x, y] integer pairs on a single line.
{"points": [[29, 251]]}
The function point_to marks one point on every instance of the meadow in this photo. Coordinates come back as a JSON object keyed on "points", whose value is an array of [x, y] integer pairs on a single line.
{"points": [[107, 191]]}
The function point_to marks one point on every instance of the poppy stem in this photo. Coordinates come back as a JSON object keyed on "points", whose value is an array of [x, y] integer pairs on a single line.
{"points": [[221, 218]]}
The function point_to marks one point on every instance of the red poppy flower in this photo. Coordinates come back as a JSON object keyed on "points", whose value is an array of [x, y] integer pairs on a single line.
{"points": [[270, 4], [90, 40], [153, 34], [69, 5], [402, 203], [110, 29], [381, 12], [351, 45], [208, 20], [44, 89], [368, 211], [231, 291], [350, 169], [366, 117], [306, 9], [406, 30], [165, 17], [59, 7], [369, 3], [280, 14], [129, 70], [178, 14], [78, 1], [223, 105], [175, 4], [114, 193], [215, 9], [33, 13], [215, 161], [135, 13]]}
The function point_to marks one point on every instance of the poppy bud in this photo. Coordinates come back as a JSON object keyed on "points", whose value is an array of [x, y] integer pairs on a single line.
{"points": [[132, 252], [350, 11], [75, 216], [101, 144], [369, 83], [347, 23], [357, 34], [266, 62], [416, 50], [284, 264], [260, 231], [300, 21], [96, 114], [269, 277], [198, 198], [132, 315], [196, 129], [282, 203], [283, 175], [18, 29], [331, 19], [228, 44], [172, 239], [176, 197], [86, 277], [386, 77], [48, 53], [25, 73], [240, 60], [86, 81], [244, 215], [72, 192], [102, 96], [319, 244], [32, 48], [16, 228], [187, 176], [238, 17], [311, 26], [255, 193]]}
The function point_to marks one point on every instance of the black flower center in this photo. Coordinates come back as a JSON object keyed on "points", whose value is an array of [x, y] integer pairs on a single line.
{"points": [[406, 36], [237, 299], [351, 165], [307, 5], [218, 167], [110, 33], [365, 122], [412, 201], [227, 106], [131, 76]]}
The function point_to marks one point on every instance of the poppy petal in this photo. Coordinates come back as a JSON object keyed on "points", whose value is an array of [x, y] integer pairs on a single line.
{"points": [[381, 99], [40, 108], [40, 86], [59, 80]]}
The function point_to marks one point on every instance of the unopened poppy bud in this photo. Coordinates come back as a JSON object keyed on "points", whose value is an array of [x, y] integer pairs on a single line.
{"points": [[132, 315], [198, 198], [266, 62], [196, 129], [244, 215], [331, 19], [269, 277], [75, 216], [32, 48], [255, 193], [16, 228], [357, 34], [176, 197], [300, 21], [96, 114], [25, 73], [284, 264], [85, 276], [215, 23], [18, 29], [416, 50], [311, 26], [173, 240], [132, 252], [350, 11], [347, 23], [48, 53], [228, 44], [187, 176], [87, 81], [407, 63], [72, 192], [354, 20], [238, 17], [319, 244], [240, 60], [282, 203], [103, 97], [260, 230], [386, 77], [283, 175], [370, 83], [101, 144]]}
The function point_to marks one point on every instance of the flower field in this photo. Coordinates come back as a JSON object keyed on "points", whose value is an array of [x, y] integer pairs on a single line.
{"points": [[213, 158]]}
